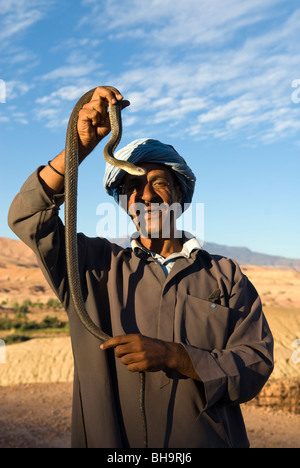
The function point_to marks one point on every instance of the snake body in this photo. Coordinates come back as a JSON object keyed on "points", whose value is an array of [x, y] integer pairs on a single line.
{"points": [[116, 134], [71, 185]]}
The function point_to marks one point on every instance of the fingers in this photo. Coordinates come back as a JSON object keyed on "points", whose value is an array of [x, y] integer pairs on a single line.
{"points": [[110, 94], [96, 112], [138, 352], [120, 340], [128, 349]]}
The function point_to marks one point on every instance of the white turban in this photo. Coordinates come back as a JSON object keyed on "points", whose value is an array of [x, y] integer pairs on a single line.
{"points": [[149, 150]]}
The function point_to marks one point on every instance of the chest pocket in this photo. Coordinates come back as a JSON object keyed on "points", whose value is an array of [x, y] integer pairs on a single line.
{"points": [[205, 324]]}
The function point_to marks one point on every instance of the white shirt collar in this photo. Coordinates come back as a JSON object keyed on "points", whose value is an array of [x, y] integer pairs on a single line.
{"points": [[189, 245]]}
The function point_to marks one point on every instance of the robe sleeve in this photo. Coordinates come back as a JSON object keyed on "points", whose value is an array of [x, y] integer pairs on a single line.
{"points": [[34, 218]]}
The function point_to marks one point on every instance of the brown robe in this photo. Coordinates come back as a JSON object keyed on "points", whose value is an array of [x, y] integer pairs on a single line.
{"points": [[125, 291]]}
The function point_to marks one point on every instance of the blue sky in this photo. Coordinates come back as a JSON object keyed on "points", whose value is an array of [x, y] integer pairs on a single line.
{"points": [[217, 79]]}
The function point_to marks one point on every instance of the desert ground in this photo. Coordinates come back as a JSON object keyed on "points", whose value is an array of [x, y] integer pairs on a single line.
{"points": [[36, 377]]}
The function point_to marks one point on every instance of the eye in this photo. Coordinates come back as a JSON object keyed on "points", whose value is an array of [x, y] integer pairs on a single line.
{"points": [[160, 184], [131, 187]]}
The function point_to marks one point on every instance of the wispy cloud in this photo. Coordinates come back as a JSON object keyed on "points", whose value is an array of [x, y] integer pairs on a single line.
{"points": [[16, 89], [200, 22], [233, 78], [69, 72], [69, 81], [19, 15], [219, 69], [54, 109]]}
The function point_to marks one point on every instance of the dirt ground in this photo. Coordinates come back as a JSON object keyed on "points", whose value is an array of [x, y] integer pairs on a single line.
{"points": [[35, 415], [39, 416]]}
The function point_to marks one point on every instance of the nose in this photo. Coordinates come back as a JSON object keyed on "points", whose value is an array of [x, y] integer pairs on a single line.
{"points": [[148, 193]]}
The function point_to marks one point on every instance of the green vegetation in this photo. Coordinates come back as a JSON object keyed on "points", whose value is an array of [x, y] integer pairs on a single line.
{"points": [[24, 325], [15, 325], [15, 338], [24, 307]]}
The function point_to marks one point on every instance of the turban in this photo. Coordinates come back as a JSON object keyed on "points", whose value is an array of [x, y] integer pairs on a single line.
{"points": [[152, 151]]}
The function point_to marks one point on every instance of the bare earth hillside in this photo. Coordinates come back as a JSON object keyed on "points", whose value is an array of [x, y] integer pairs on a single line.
{"points": [[20, 275]]}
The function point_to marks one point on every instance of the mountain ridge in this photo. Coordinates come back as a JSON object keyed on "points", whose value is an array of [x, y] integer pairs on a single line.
{"points": [[16, 252]]}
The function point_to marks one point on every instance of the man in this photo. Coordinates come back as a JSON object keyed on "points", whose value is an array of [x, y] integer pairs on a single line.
{"points": [[191, 321]]}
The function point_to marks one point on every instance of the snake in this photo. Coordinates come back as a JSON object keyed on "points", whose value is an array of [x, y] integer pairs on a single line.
{"points": [[71, 187]]}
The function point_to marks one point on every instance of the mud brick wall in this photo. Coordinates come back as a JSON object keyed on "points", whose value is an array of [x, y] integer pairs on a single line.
{"points": [[283, 394]]}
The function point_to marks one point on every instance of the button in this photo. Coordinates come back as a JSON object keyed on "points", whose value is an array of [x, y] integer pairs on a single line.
{"points": [[213, 306]]}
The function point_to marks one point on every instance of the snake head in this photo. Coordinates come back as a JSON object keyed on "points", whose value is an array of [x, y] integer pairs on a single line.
{"points": [[139, 171], [134, 170]]}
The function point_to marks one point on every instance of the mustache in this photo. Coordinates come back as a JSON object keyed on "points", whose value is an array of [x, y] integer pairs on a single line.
{"points": [[144, 208]]}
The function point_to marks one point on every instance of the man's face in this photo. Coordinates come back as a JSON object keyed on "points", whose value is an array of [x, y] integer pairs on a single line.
{"points": [[149, 199]]}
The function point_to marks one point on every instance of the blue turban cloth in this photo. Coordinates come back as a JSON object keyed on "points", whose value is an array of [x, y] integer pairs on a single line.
{"points": [[151, 151]]}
